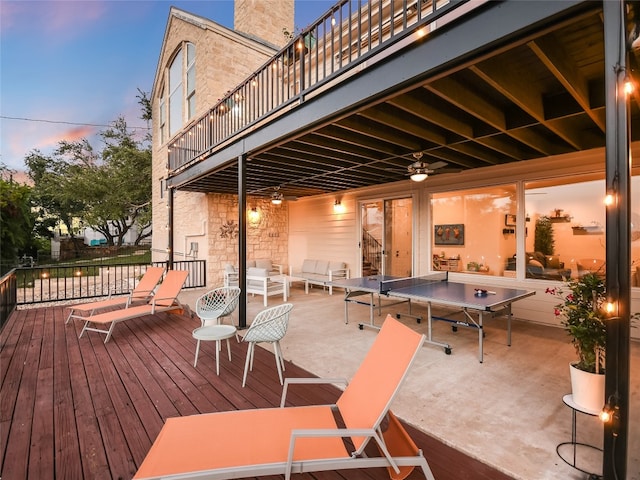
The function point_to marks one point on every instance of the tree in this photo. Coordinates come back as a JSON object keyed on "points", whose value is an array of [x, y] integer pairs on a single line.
{"points": [[109, 190], [16, 220], [118, 192]]}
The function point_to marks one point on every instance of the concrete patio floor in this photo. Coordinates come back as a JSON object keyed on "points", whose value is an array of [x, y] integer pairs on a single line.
{"points": [[507, 411]]}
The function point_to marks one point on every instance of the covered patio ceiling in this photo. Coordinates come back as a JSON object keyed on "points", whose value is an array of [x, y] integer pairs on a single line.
{"points": [[535, 93]]}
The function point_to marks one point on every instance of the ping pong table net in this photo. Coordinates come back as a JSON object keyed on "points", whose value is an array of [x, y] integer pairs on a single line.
{"points": [[398, 283]]}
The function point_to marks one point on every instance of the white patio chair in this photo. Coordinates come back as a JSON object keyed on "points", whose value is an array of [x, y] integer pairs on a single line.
{"points": [[212, 307], [270, 326], [216, 304]]}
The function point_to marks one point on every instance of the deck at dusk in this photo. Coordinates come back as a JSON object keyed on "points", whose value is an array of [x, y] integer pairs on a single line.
{"points": [[77, 408]]}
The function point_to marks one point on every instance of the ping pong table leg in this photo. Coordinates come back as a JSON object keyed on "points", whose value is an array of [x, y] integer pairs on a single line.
{"points": [[346, 306], [480, 337], [509, 325]]}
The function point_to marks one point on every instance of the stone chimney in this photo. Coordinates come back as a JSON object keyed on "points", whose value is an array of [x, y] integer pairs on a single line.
{"points": [[264, 19]]}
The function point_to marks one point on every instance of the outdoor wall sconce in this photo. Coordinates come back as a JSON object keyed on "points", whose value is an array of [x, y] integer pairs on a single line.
{"points": [[338, 207], [253, 215]]}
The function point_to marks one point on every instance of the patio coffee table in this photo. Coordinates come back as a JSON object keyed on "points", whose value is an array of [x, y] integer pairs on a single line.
{"points": [[215, 333], [287, 280]]}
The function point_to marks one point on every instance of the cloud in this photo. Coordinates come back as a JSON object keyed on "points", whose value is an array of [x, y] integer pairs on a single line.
{"points": [[70, 135], [62, 19]]}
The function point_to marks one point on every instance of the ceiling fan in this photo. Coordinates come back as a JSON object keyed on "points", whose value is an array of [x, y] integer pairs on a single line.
{"points": [[277, 197], [419, 170]]}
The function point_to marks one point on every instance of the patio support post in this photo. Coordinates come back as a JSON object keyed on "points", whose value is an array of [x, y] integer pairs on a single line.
{"points": [[170, 193], [618, 244], [242, 240]]}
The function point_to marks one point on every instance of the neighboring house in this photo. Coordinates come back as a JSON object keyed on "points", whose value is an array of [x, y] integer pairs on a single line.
{"points": [[341, 122]]}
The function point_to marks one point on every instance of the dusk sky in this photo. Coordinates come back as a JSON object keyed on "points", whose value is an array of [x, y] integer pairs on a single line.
{"points": [[69, 68]]}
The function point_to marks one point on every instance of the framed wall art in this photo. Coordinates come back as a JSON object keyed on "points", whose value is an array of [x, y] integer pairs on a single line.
{"points": [[450, 234]]}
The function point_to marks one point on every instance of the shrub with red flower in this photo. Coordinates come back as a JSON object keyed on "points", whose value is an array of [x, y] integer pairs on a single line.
{"points": [[583, 316]]}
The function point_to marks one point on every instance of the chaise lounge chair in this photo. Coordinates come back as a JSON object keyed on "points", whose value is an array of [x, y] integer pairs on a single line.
{"points": [[141, 293], [164, 300], [286, 440]]}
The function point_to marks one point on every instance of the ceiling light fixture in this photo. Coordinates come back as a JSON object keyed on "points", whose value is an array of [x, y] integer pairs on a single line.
{"points": [[419, 172], [276, 198]]}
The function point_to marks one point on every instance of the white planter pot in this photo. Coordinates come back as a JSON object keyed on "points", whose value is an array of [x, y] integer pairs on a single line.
{"points": [[587, 389]]}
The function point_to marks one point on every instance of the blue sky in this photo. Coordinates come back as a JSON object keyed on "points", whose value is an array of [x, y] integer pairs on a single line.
{"points": [[81, 62]]}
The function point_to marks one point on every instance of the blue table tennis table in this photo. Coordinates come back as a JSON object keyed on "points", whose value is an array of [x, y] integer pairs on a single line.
{"points": [[475, 303]]}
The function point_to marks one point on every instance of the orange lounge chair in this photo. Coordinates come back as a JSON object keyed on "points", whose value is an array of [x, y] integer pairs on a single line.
{"points": [[286, 440], [141, 293], [165, 299]]}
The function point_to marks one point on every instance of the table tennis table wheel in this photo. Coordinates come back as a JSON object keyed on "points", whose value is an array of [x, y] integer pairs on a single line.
{"points": [[454, 328], [361, 327], [447, 350]]}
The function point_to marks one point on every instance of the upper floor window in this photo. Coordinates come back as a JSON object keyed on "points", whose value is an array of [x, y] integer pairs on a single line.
{"points": [[191, 80], [163, 117], [181, 89]]}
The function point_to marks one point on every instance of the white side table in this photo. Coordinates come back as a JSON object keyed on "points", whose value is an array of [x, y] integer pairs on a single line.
{"points": [[574, 444], [215, 333]]}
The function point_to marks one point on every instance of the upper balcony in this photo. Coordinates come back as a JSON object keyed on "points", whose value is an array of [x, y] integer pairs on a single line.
{"points": [[349, 101], [342, 39]]}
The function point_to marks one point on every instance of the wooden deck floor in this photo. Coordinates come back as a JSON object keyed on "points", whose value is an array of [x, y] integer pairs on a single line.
{"points": [[75, 408]]}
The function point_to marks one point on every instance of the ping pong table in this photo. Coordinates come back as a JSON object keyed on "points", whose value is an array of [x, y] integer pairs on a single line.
{"points": [[472, 302]]}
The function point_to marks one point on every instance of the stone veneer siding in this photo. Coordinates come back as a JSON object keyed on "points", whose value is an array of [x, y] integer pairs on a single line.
{"points": [[223, 60], [268, 238], [265, 19]]}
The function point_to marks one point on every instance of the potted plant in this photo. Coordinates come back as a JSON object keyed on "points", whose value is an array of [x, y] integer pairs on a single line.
{"points": [[582, 309], [583, 317]]}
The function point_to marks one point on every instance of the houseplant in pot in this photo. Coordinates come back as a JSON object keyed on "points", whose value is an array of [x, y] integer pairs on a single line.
{"points": [[583, 317]]}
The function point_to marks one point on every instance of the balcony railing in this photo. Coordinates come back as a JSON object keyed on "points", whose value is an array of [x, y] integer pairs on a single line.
{"points": [[346, 36], [61, 283]]}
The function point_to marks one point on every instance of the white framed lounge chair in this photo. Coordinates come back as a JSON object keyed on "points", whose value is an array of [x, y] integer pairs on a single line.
{"points": [[165, 299], [286, 440], [140, 294]]}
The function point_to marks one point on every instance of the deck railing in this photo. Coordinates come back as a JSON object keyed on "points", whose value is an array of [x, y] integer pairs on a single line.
{"points": [[8, 299], [61, 283], [349, 34]]}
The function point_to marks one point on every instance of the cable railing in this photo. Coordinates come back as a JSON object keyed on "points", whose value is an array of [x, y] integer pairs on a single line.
{"points": [[346, 36], [81, 281]]}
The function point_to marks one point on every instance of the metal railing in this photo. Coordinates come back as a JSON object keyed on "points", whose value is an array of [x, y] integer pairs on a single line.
{"points": [[371, 251], [8, 299], [351, 32], [61, 283]]}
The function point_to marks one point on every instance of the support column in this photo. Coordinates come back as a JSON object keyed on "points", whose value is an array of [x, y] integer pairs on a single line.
{"points": [[170, 193], [618, 240], [242, 240]]}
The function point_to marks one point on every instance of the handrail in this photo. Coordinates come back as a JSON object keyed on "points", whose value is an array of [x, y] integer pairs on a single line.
{"points": [[8, 299], [371, 251], [341, 39], [80, 281]]}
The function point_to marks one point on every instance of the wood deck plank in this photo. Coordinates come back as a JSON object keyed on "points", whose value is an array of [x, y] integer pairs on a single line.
{"points": [[77, 408], [41, 458]]}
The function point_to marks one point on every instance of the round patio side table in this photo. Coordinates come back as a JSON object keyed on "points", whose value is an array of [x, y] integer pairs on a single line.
{"points": [[576, 446], [215, 333]]}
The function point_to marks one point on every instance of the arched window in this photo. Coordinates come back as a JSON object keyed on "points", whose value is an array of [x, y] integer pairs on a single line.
{"points": [[180, 90]]}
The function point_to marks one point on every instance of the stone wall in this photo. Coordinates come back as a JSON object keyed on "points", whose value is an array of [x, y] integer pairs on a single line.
{"points": [[224, 59], [264, 19], [266, 238]]}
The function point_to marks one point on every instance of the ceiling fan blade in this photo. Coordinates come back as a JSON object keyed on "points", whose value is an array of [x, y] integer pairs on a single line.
{"points": [[436, 165]]}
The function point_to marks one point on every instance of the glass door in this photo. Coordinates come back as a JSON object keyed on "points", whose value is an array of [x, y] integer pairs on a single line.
{"points": [[387, 237]]}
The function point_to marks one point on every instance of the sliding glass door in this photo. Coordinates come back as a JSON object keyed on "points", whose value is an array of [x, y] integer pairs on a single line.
{"points": [[387, 237]]}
